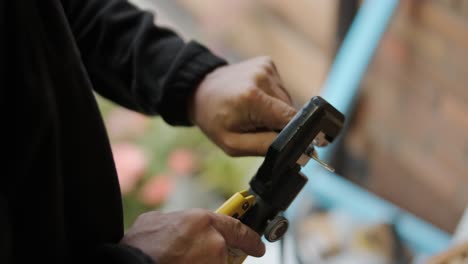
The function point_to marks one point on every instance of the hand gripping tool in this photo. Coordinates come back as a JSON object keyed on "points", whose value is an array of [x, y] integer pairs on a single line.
{"points": [[279, 179]]}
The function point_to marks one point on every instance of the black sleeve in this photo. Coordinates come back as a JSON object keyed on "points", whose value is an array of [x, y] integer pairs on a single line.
{"points": [[135, 63], [120, 254], [5, 236]]}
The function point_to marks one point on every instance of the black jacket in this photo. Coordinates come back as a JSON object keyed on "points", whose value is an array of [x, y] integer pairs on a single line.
{"points": [[59, 195]]}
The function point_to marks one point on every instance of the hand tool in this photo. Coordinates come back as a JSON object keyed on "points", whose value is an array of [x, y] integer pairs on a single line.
{"points": [[279, 179]]}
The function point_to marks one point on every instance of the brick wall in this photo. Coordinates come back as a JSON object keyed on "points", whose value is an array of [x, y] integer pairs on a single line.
{"points": [[299, 37], [410, 134], [409, 139]]}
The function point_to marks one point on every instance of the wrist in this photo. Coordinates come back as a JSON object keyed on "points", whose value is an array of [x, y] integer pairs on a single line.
{"points": [[195, 98]]}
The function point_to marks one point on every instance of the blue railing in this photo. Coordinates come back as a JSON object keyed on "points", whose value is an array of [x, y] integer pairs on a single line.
{"points": [[341, 89]]}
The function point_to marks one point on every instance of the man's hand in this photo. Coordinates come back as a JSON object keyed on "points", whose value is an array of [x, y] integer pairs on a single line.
{"points": [[240, 106], [192, 236]]}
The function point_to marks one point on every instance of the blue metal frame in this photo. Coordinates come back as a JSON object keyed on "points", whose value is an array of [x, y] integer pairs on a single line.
{"points": [[341, 89]]}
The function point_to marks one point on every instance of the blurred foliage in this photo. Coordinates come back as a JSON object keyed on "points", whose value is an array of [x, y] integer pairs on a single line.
{"points": [[218, 171]]}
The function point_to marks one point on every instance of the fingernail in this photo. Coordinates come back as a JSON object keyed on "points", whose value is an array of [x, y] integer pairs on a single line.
{"points": [[262, 249], [291, 112]]}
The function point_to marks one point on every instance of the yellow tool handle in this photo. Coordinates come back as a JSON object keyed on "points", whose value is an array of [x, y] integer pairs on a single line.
{"points": [[236, 256], [237, 206]]}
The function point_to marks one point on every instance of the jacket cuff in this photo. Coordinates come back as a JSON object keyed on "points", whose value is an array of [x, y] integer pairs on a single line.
{"points": [[183, 83]]}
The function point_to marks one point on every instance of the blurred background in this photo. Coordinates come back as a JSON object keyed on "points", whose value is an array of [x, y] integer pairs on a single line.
{"points": [[407, 142]]}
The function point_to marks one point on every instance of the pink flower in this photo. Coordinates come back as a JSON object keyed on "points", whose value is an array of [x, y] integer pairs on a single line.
{"points": [[181, 161], [122, 123], [131, 163], [156, 190]]}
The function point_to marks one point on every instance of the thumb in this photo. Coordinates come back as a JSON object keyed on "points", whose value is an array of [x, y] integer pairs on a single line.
{"points": [[271, 112], [239, 236]]}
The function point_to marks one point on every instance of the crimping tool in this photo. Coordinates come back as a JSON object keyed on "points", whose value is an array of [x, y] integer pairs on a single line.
{"points": [[278, 180]]}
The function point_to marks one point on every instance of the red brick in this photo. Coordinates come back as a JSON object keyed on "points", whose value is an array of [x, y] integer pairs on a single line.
{"points": [[383, 100], [426, 45], [256, 31], [418, 143], [445, 62], [213, 13], [457, 6], [439, 76], [442, 20], [420, 129], [418, 133], [414, 115], [411, 190], [464, 9], [394, 51], [455, 112], [414, 132], [417, 44], [302, 66], [451, 4], [404, 174], [455, 64], [357, 137], [453, 130], [432, 171], [416, 105], [315, 19]]}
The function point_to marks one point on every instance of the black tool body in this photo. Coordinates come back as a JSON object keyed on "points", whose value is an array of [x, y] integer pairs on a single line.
{"points": [[279, 180]]}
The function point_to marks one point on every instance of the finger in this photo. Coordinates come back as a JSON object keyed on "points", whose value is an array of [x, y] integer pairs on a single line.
{"points": [[270, 112], [250, 144], [285, 96], [271, 84], [238, 235], [279, 85], [217, 245]]}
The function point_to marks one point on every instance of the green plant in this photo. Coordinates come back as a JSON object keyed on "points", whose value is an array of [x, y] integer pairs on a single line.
{"points": [[215, 169]]}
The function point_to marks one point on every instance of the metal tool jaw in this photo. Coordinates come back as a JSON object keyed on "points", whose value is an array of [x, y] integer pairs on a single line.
{"points": [[278, 180]]}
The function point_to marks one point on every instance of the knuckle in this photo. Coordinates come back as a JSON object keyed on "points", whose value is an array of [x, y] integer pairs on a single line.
{"points": [[238, 225], [241, 230], [230, 146], [219, 245], [228, 151], [290, 113], [144, 216], [263, 148], [195, 212], [232, 152], [200, 216], [266, 59], [261, 79], [266, 69], [268, 64], [250, 92], [148, 217], [251, 95]]}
